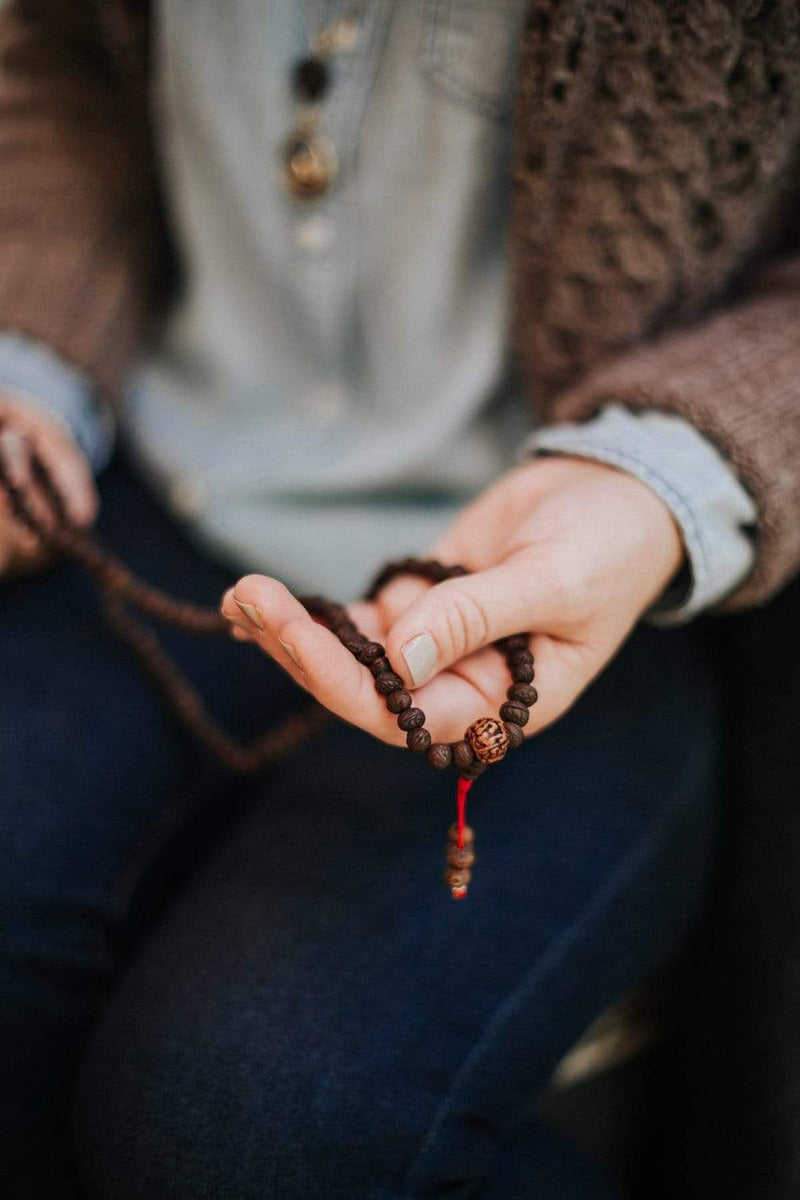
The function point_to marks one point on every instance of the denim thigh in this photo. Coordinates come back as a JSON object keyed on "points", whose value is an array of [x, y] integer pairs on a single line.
{"points": [[316, 1017], [96, 778]]}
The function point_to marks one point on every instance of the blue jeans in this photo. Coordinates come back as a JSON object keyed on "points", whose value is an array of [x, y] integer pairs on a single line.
{"points": [[308, 1013]]}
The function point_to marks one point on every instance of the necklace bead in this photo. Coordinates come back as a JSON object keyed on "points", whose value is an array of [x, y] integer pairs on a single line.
{"points": [[311, 79]]}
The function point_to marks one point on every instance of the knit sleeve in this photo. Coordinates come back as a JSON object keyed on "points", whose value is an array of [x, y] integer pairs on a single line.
{"points": [[82, 244], [736, 378]]}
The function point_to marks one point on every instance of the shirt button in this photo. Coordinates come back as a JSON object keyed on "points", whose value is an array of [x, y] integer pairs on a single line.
{"points": [[313, 234], [188, 496], [327, 404]]}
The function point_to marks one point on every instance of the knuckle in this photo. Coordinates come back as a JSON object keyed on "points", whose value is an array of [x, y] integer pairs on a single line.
{"points": [[466, 622]]}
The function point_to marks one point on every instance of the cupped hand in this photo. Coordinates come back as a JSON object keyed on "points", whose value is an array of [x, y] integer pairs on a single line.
{"points": [[23, 426], [567, 549]]}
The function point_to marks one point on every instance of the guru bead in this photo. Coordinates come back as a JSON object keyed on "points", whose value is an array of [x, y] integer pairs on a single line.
{"points": [[488, 739]]}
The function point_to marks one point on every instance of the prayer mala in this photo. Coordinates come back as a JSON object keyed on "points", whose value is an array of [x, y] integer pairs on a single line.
{"points": [[486, 741]]}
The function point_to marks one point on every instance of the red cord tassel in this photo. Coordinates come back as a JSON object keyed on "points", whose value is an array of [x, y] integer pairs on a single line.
{"points": [[460, 855], [461, 801]]}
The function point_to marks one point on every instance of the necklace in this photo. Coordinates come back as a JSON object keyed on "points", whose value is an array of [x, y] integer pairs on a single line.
{"points": [[308, 161], [486, 741]]}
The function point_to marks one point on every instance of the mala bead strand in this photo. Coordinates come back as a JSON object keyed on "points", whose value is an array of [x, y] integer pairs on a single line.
{"points": [[485, 742]]}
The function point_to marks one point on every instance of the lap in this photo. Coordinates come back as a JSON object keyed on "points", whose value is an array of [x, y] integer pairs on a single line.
{"points": [[96, 780], [317, 1017], [89, 753]]}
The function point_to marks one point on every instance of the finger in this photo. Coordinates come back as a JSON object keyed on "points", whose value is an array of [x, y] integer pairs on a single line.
{"points": [[71, 474], [14, 450], [313, 655], [459, 616]]}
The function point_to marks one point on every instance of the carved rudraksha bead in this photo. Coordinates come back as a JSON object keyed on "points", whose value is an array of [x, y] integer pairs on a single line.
{"points": [[522, 693], [368, 653], [418, 741], [488, 739], [517, 641], [462, 755], [412, 718], [440, 755], [521, 667], [388, 682], [517, 714], [397, 702], [515, 735]]}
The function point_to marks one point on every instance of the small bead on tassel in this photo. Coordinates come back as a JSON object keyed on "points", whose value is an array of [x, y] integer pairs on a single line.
{"points": [[460, 847]]}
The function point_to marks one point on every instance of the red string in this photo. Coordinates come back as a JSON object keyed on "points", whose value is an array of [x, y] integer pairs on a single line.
{"points": [[461, 800]]}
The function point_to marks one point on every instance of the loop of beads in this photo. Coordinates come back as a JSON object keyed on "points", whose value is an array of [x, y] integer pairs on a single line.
{"points": [[488, 739]]}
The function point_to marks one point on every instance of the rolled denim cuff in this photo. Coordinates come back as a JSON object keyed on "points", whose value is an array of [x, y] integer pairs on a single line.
{"points": [[714, 512], [34, 374]]}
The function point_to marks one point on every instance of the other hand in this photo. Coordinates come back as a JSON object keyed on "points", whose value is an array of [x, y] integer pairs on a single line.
{"points": [[20, 550]]}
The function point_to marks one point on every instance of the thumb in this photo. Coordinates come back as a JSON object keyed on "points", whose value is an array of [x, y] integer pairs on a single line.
{"points": [[457, 617]]}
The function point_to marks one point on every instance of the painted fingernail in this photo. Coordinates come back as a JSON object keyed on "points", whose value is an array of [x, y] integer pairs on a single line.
{"points": [[251, 612], [290, 650], [420, 655]]}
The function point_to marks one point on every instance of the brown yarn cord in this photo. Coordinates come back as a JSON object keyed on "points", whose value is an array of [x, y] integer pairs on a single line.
{"points": [[121, 591]]}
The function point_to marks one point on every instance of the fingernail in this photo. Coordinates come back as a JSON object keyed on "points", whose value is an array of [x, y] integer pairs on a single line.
{"points": [[251, 612], [290, 650], [420, 655]]}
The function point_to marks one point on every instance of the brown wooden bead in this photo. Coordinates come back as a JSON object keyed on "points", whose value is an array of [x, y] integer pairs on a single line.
{"points": [[412, 718], [517, 641], [380, 665], [473, 770], [397, 702], [517, 714], [462, 754], [488, 739], [457, 878], [469, 834], [515, 735], [419, 741], [460, 856], [368, 653], [388, 682], [523, 693], [440, 755], [523, 673], [353, 644]]}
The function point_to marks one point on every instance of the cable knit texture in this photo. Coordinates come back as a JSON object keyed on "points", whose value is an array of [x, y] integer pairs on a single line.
{"points": [[655, 168]]}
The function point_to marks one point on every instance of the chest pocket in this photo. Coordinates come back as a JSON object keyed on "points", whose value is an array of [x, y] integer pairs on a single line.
{"points": [[469, 51]]}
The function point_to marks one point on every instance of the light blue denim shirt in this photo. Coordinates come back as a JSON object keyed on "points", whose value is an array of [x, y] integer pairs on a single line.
{"points": [[333, 385]]}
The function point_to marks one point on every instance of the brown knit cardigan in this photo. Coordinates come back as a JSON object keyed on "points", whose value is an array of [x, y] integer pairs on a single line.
{"points": [[655, 253], [656, 167]]}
